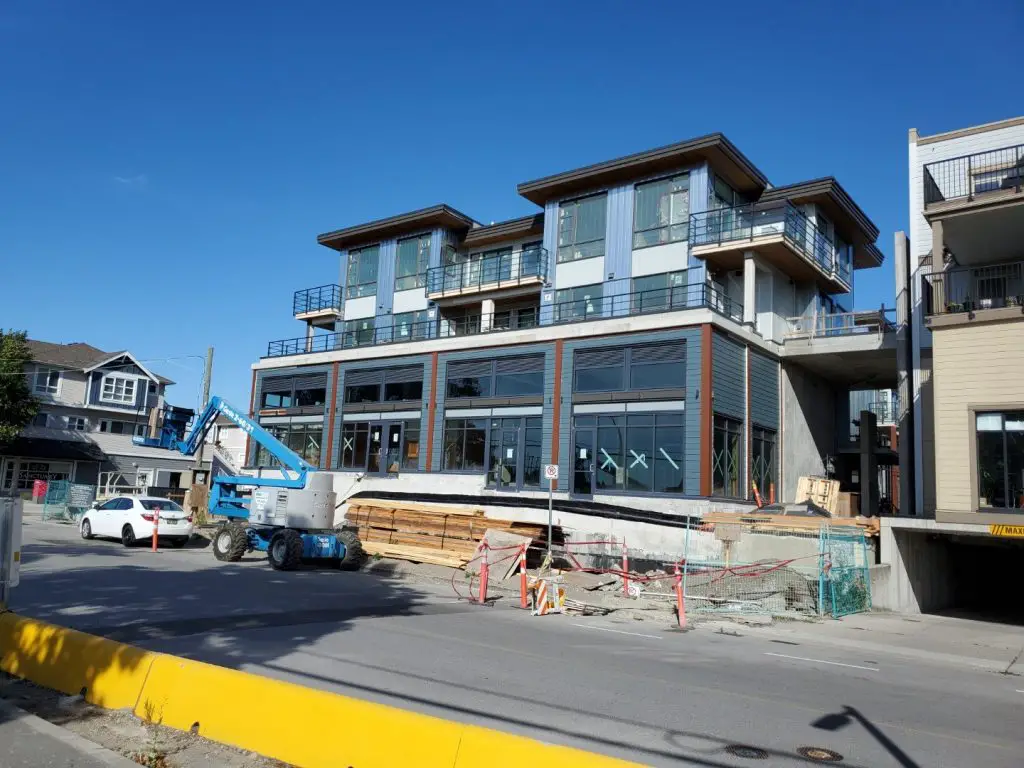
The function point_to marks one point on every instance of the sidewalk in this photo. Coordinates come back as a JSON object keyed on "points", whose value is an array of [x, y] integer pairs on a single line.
{"points": [[926, 637], [27, 741]]}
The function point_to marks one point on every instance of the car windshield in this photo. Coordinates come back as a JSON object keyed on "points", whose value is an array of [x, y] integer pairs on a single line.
{"points": [[163, 504]]}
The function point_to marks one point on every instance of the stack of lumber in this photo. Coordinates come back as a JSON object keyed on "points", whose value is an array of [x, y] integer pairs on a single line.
{"points": [[427, 533], [760, 521]]}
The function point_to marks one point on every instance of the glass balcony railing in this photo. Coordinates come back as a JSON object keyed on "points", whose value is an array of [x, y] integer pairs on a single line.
{"points": [[749, 223], [610, 304], [968, 289], [318, 299], [500, 271], [971, 176]]}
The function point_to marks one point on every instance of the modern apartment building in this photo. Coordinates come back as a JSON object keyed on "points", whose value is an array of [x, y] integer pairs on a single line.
{"points": [[92, 403], [667, 328], [964, 272]]}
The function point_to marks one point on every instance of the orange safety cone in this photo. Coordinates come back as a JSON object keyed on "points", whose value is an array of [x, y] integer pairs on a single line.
{"points": [[523, 602], [485, 573], [156, 526], [680, 600]]}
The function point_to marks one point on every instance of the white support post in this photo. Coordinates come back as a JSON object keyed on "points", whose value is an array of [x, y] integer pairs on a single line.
{"points": [[486, 315], [309, 337], [749, 289]]}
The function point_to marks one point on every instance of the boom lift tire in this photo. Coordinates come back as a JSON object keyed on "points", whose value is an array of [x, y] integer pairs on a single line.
{"points": [[230, 543], [285, 551], [354, 554]]}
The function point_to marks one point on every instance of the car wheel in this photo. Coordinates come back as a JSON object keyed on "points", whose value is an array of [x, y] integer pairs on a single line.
{"points": [[86, 529], [230, 543], [179, 542], [285, 551], [128, 536]]}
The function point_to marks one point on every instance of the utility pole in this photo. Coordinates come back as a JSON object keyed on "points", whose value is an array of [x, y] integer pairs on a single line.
{"points": [[206, 398]]}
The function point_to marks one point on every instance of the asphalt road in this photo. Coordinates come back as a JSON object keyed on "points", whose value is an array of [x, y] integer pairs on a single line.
{"points": [[635, 690]]}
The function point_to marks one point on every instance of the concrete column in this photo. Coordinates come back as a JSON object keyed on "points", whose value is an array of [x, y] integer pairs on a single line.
{"points": [[905, 373], [486, 315], [749, 288], [309, 337], [938, 247], [868, 464]]}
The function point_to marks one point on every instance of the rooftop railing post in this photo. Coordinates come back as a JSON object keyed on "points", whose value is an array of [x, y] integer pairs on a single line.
{"points": [[970, 183]]}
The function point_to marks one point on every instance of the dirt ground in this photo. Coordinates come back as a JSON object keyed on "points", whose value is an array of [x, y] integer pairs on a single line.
{"points": [[119, 731]]}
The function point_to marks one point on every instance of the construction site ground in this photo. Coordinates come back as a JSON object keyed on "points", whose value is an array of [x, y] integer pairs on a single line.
{"points": [[880, 690]]}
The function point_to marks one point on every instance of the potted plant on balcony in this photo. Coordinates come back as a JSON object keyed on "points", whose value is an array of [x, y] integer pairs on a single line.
{"points": [[968, 304]]}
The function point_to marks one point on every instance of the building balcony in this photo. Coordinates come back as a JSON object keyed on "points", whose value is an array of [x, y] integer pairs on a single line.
{"points": [[320, 306], [528, 268], [779, 233], [983, 179], [855, 350], [611, 304], [965, 290]]}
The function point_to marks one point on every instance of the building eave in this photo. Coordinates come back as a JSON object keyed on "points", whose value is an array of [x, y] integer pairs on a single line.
{"points": [[506, 230], [715, 148], [441, 215], [829, 191]]}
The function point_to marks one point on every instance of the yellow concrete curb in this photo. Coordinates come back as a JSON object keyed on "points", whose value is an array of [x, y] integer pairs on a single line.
{"points": [[111, 674], [302, 726]]}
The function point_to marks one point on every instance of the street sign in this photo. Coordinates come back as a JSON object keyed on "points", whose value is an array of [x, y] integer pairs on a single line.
{"points": [[550, 471]]}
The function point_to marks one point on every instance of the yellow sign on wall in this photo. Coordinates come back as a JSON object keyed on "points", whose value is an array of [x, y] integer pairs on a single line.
{"points": [[1011, 531]]}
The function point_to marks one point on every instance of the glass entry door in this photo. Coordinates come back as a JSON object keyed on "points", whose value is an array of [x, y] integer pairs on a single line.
{"points": [[514, 453], [583, 462], [385, 453]]}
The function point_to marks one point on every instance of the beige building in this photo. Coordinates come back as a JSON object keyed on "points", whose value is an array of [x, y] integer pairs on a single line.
{"points": [[961, 279]]}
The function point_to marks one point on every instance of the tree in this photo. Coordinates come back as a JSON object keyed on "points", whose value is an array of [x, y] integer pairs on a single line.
{"points": [[17, 405]]}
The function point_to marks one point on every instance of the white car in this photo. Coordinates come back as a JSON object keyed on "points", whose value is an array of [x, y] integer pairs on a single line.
{"points": [[131, 519]]}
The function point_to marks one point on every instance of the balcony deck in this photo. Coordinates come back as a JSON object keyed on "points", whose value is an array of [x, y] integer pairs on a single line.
{"points": [[619, 305], [320, 306], [503, 272], [779, 233], [981, 180]]}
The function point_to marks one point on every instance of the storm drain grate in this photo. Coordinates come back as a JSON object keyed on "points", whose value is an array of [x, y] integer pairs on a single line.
{"points": [[742, 750], [820, 754]]}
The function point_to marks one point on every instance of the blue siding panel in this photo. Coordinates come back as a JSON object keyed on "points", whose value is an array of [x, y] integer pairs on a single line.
{"points": [[386, 279], [700, 181], [729, 376], [547, 296], [339, 325], [618, 242], [764, 390]]}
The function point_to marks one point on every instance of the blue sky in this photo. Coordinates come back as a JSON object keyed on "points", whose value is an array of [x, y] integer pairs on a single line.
{"points": [[165, 167]]}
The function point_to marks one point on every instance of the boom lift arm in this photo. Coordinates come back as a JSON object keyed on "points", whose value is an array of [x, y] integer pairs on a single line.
{"points": [[224, 497]]}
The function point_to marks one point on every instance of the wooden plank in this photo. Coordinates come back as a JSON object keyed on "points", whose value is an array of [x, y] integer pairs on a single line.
{"points": [[415, 554], [413, 506]]}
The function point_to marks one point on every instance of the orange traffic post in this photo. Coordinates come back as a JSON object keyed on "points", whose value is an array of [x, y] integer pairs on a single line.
{"points": [[625, 569], [156, 526], [484, 573], [680, 601], [523, 603]]}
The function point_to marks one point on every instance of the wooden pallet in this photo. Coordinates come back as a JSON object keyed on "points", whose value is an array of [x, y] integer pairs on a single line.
{"points": [[415, 554]]}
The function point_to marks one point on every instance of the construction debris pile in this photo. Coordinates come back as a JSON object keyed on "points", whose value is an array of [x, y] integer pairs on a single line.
{"points": [[430, 533]]}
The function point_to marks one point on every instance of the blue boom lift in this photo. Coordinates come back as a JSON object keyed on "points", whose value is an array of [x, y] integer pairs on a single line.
{"points": [[290, 517]]}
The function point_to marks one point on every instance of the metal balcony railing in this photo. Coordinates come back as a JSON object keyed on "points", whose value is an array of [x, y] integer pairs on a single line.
{"points": [[963, 178], [501, 271], [876, 321], [701, 296], [967, 289], [750, 222], [317, 299]]}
